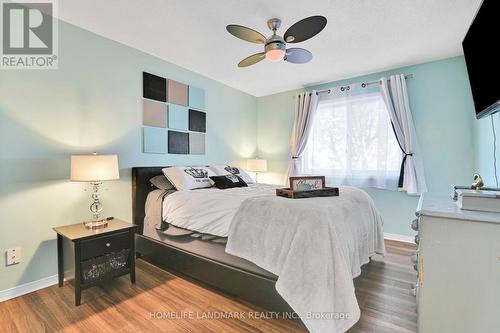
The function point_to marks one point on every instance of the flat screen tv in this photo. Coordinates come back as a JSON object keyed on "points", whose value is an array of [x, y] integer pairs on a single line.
{"points": [[481, 46]]}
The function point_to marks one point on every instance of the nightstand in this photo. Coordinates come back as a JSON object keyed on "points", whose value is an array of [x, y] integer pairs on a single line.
{"points": [[94, 256]]}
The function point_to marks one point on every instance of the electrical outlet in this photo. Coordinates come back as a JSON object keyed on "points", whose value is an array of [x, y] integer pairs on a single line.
{"points": [[13, 256]]}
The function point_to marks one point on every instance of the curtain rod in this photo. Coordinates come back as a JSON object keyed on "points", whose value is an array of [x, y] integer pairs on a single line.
{"points": [[327, 91]]}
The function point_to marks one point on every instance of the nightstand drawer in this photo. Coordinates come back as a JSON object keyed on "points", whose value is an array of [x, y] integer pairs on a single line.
{"points": [[105, 244]]}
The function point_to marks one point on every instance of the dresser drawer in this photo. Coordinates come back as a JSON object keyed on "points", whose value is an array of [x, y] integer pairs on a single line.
{"points": [[105, 244]]}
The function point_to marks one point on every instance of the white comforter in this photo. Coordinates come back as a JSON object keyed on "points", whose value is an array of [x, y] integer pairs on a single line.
{"points": [[315, 246], [210, 210]]}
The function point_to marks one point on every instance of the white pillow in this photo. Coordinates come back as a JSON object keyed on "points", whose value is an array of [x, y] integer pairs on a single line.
{"points": [[222, 170], [189, 178]]}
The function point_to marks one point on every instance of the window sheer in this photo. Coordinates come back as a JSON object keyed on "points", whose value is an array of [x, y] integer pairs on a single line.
{"points": [[352, 141]]}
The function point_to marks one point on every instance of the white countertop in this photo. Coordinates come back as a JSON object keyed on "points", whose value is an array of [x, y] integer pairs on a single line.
{"points": [[444, 206]]}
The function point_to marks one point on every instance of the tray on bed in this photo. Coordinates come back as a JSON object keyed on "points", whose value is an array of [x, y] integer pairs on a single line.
{"points": [[324, 192]]}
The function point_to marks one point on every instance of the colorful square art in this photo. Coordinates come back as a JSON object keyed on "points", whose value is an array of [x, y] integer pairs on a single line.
{"points": [[196, 98], [197, 143], [178, 117], [178, 142], [154, 87], [172, 117], [154, 113], [154, 140], [197, 121], [177, 93]]}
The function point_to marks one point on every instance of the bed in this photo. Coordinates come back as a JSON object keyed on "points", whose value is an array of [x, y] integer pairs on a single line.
{"points": [[205, 262], [264, 249]]}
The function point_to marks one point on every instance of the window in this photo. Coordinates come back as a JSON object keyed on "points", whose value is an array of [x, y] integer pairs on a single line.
{"points": [[352, 141]]}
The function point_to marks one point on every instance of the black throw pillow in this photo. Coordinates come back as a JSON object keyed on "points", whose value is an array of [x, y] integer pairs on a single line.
{"points": [[228, 181]]}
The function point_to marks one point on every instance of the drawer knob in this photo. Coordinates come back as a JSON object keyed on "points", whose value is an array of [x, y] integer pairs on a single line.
{"points": [[414, 258], [415, 224], [108, 244], [414, 290]]}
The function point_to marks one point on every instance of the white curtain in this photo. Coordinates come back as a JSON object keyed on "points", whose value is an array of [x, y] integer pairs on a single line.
{"points": [[395, 96], [305, 107], [351, 141]]}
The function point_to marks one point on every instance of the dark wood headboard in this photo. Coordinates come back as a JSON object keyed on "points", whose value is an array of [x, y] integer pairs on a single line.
{"points": [[140, 190]]}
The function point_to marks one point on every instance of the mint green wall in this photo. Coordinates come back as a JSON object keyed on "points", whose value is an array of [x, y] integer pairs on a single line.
{"points": [[92, 103], [442, 110], [484, 148]]}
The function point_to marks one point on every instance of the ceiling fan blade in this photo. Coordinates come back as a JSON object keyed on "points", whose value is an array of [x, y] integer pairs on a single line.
{"points": [[245, 33], [297, 55], [305, 29], [251, 60]]}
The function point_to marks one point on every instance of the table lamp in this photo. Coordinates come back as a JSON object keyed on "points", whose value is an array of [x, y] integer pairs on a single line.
{"points": [[94, 169], [257, 165]]}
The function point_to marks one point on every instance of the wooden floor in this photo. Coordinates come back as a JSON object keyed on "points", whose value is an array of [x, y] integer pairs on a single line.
{"points": [[162, 302]]}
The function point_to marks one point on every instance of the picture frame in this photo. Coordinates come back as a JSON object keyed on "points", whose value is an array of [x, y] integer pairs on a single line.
{"points": [[307, 183]]}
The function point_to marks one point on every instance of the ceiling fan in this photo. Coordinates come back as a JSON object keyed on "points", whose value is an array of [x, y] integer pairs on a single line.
{"points": [[275, 45]]}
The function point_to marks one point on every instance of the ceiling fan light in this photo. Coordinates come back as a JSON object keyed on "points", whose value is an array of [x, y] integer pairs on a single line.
{"points": [[275, 49], [275, 55]]}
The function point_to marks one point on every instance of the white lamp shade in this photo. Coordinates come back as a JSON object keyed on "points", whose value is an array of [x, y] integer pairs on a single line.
{"points": [[92, 168], [257, 165]]}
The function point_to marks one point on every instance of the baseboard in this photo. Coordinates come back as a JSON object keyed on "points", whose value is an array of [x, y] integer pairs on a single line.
{"points": [[27, 288], [400, 238]]}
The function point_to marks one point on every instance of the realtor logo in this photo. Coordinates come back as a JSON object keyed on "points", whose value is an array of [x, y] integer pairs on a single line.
{"points": [[29, 35]]}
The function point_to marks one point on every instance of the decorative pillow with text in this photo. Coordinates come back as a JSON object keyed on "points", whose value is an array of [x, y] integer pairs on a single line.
{"points": [[189, 178], [222, 170]]}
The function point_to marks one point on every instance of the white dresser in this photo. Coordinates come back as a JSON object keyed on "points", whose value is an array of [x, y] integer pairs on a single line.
{"points": [[458, 267]]}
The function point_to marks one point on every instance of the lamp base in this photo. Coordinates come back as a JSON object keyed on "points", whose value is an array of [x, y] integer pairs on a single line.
{"points": [[96, 224]]}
